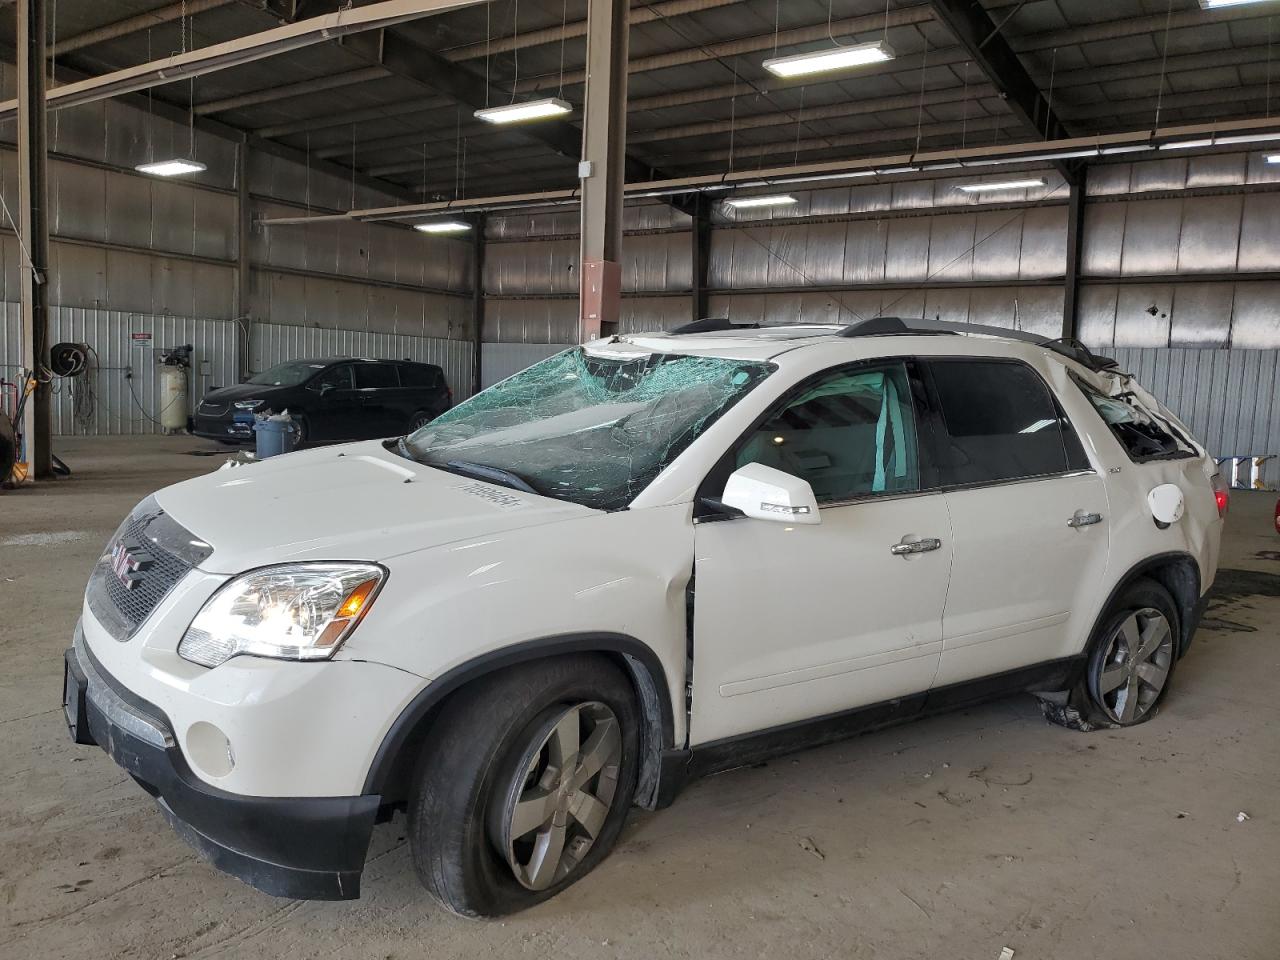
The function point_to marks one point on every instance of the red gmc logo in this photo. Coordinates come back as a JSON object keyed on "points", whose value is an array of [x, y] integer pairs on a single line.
{"points": [[128, 564]]}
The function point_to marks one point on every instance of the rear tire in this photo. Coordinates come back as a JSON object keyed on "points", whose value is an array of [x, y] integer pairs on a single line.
{"points": [[419, 420], [1131, 659], [528, 764]]}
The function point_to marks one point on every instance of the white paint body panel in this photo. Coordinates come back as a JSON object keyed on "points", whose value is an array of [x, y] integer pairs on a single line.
{"points": [[791, 621]]}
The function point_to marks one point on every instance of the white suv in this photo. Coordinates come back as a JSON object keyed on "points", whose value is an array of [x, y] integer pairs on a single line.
{"points": [[641, 560]]}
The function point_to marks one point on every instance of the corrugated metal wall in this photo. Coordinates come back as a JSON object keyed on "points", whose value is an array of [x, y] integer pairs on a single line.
{"points": [[123, 376], [1229, 398]]}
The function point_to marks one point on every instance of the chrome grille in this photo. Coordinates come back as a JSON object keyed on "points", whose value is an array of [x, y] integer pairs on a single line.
{"points": [[156, 553]]}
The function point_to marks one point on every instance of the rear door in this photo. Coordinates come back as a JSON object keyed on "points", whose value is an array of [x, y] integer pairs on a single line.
{"points": [[378, 390], [1028, 513]]}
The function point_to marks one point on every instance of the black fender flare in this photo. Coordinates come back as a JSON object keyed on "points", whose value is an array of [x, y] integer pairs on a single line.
{"points": [[641, 663], [1189, 611]]}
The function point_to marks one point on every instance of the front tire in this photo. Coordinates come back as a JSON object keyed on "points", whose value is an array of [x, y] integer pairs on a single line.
{"points": [[524, 785]]}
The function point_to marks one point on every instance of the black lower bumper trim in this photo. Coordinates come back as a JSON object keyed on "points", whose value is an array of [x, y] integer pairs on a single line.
{"points": [[305, 848]]}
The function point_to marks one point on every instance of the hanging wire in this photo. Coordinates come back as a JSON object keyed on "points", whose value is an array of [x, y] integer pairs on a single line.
{"points": [[515, 54], [777, 24], [795, 158], [924, 63], [1053, 70], [964, 103], [488, 33], [1270, 21], [733, 113], [1164, 59], [564, 22], [353, 165]]}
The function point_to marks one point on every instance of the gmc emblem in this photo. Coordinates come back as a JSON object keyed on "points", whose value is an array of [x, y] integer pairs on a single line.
{"points": [[129, 563]]}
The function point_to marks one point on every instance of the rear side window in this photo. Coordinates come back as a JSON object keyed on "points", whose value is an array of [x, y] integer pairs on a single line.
{"points": [[419, 375], [1142, 435], [1000, 422], [370, 375]]}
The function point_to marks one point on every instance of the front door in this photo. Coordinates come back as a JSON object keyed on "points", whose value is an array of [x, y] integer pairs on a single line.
{"points": [[378, 389], [793, 622], [333, 414], [1029, 515]]}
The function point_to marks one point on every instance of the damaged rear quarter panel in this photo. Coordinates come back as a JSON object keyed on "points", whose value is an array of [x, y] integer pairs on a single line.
{"points": [[622, 572]]}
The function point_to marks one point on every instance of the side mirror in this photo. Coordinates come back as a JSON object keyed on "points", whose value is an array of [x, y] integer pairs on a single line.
{"points": [[325, 388], [764, 493]]}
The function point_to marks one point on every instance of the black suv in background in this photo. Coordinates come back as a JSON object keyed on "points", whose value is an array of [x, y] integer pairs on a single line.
{"points": [[339, 398]]}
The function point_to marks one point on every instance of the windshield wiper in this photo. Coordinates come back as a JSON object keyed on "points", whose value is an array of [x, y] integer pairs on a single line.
{"points": [[483, 471]]}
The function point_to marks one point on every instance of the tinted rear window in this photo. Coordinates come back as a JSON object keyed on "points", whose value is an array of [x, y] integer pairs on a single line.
{"points": [[419, 375], [1000, 423], [376, 375]]}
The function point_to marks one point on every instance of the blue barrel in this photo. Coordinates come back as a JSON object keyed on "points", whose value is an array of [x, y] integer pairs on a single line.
{"points": [[275, 435]]}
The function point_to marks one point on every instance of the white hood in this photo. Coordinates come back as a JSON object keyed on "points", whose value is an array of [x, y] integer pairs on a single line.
{"points": [[354, 502]]}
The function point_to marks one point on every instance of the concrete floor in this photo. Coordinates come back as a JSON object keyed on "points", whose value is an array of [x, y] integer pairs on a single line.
{"points": [[953, 837]]}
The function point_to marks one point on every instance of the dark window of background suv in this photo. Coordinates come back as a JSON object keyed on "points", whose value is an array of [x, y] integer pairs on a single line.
{"points": [[381, 375], [412, 375], [1000, 422]]}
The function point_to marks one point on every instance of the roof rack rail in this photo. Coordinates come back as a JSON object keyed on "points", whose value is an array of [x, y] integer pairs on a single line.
{"points": [[711, 325], [1068, 347]]}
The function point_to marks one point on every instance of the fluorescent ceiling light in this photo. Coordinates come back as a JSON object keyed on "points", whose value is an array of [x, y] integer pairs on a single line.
{"points": [[742, 203], [1274, 158], [825, 61], [994, 185], [1125, 148], [1248, 138], [171, 168], [527, 110], [443, 226], [1187, 144], [1216, 4]]}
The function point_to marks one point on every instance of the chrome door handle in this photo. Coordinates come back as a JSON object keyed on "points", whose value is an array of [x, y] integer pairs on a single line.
{"points": [[906, 548], [1082, 519]]}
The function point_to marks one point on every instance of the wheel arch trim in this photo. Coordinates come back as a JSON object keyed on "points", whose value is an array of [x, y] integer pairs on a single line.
{"points": [[1188, 611], [640, 661]]}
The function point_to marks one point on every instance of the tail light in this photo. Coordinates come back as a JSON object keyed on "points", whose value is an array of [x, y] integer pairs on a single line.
{"points": [[1223, 497]]}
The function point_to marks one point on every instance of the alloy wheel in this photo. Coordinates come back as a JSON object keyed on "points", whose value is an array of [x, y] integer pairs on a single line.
{"points": [[562, 794], [1129, 677]]}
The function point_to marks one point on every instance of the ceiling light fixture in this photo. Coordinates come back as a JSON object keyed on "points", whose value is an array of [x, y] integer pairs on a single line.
{"points": [[1187, 144], [171, 168], [526, 110], [826, 61], [744, 203], [443, 226], [1274, 158], [994, 185], [1217, 4], [1247, 138]]}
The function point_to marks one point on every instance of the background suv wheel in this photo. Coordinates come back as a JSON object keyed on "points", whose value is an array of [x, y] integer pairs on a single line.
{"points": [[524, 784]]}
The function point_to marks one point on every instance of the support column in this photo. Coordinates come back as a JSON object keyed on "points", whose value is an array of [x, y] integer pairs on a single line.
{"points": [[1075, 251], [33, 228], [477, 299], [244, 267], [700, 255], [604, 139]]}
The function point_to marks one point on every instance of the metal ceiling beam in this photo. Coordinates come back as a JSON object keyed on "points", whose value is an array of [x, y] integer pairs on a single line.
{"points": [[67, 71], [242, 50], [870, 23], [411, 61], [301, 89], [135, 24], [973, 27], [925, 165]]}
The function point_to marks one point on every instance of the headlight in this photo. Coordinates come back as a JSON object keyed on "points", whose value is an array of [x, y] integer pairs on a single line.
{"points": [[296, 611], [247, 404]]}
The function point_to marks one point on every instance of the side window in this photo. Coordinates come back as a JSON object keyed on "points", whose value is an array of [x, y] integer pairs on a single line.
{"points": [[1000, 422], [418, 375], [335, 378], [376, 375], [850, 433], [1142, 435]]}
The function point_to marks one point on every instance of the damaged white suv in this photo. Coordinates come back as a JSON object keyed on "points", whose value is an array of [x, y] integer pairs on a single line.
{"points": [[641, 560]]}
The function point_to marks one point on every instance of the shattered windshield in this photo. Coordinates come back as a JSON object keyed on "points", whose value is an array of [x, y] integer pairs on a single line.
{"points": [[594, 430]]}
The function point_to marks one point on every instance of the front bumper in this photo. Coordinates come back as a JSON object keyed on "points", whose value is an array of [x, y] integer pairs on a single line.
{"points": [[307, 848], [233, 427]]}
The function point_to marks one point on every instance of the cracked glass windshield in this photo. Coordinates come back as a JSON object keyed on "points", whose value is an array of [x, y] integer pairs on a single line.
{"points": [[591, 429]]}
